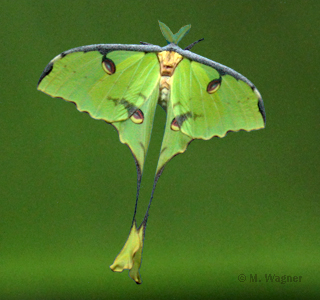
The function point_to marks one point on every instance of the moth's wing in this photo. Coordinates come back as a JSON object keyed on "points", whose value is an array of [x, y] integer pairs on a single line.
{"points": [[174, 141], [205, 101], [210, 101], [137, 136], [110, 84]]}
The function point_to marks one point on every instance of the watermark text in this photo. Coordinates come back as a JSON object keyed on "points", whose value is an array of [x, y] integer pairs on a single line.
{"points": [[282, 279]]}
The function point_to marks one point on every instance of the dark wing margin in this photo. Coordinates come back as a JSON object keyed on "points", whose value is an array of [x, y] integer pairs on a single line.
{"points": [[103, 49]]}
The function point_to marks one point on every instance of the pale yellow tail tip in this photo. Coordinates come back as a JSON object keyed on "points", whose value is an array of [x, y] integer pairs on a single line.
{"points": [[133, 273], [129, 257], [120, 267]]}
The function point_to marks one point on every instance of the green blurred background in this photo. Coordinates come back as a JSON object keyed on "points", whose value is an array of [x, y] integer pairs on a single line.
{"points": [[244, 204]]}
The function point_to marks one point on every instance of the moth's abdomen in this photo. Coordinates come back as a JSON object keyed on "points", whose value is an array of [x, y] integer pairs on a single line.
{"points": [[165, 83]]}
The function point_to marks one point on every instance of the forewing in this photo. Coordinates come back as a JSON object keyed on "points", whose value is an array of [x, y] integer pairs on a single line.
{"points": [[120, 87], [207, 103], [82, 78]]}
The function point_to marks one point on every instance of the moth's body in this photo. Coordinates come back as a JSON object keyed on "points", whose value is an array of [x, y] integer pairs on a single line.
{"points": [[122, 85], [164, 91], [169, 60]]}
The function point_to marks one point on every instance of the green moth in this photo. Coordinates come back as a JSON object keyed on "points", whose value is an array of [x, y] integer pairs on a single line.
{"points": [[122, 84]]}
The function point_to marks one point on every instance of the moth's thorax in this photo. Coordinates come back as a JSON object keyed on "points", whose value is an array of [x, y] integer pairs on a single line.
{"points": [[168, 63]]}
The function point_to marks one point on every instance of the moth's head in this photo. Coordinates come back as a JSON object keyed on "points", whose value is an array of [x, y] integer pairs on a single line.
{"points": [[176, 38]]}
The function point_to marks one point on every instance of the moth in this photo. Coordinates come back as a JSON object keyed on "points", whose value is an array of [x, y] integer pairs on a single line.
{"points": [[122, 85]]}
